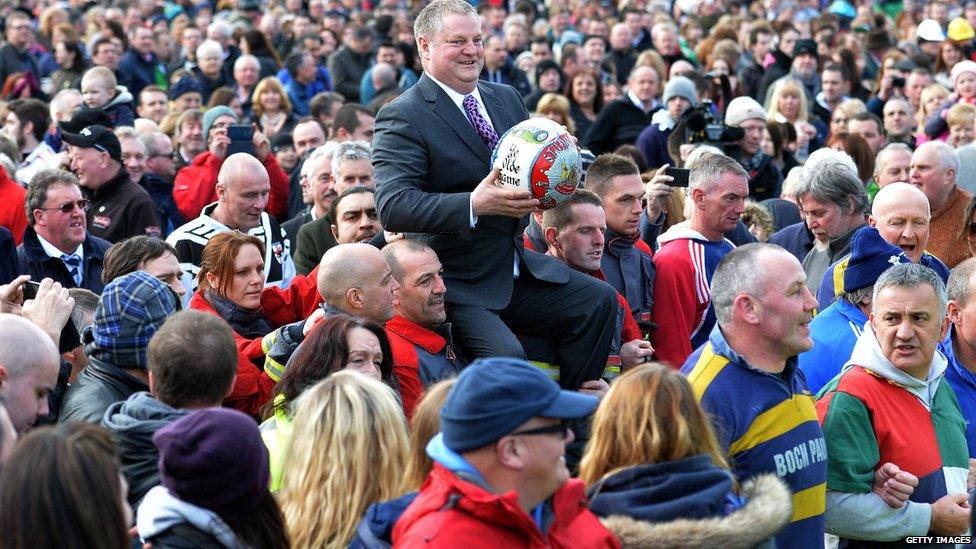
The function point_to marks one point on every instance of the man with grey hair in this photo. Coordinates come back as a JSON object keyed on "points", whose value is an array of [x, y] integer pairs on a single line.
{"points": [[959, 345], [688, 255], [243, 187], [158, 179], [56, 244], [318, 192], [351, 166], [934, 170], [893, 164], [247, 72], [834, 204], [891, 400], [764, 309]]}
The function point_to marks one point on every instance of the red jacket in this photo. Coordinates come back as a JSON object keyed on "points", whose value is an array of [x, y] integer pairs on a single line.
{"points": [[420, 358], [253, 387], [451, 512], [12, 213], [195, 186]]}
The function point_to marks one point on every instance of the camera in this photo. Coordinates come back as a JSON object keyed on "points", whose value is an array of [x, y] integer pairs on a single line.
{"points": [[701, 125], [898, 82]]}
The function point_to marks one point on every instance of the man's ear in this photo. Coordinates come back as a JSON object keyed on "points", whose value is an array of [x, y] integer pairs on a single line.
{"points": [[953, 312], [508, 450], [335, 232], [551, 234], [746, 307], [354, 298], [152, 384], [230, 389], [28, 128], [872, 221]]}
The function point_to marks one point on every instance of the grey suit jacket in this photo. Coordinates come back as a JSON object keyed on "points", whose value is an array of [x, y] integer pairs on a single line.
{"points": [[427, 158]]}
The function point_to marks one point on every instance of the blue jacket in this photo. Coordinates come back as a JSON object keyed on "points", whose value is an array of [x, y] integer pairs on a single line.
{"points": [[963, 383], [375, 531], [834, 332], [35, 262], [796, 239], [139, 73], [690, 488]]}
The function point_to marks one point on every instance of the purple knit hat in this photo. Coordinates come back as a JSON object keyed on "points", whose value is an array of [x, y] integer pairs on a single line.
{"points": [[214, 458]]}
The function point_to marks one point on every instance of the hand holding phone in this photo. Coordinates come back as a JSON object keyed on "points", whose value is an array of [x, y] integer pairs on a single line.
{"points": [[241, 139], [679, 176]]}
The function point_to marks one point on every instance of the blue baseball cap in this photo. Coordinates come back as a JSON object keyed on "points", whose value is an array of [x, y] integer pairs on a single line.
{"points": [[493, 396]]}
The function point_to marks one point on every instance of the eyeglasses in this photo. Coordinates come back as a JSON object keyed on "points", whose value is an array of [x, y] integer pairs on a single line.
{"points": [[562, 428], [69, 207], [171, 156]]}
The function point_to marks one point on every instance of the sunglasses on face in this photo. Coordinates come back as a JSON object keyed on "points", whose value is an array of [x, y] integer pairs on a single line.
{"points": [[562, 428], [69, 207]]}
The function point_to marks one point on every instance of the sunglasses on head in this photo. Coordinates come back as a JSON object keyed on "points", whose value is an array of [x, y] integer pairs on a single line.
{"points": [[562, 428], [69, 207]]}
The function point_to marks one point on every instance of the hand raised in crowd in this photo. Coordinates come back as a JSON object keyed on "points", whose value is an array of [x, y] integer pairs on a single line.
{"points": [[950, 515], [490, 198], [595, 387], [893, 485], [393, 237], [219, 142], [657, 191], [12, 295], [50, 309], [262, 145], [636, 352]]}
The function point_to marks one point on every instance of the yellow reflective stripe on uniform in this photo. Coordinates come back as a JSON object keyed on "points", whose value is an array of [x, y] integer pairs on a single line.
{"points": [[609, 373], [839, 276], [776, 421], [810, 502], [272, 367], [707, 368]]}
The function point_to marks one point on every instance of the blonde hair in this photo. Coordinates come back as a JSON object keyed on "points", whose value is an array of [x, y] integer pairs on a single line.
{"points": [[103, 75], [961, 114], [556, 103], [852, 107], [268, 83], [927, 93], [425, 423], [650, 415], [347, 451], [780, 88]]}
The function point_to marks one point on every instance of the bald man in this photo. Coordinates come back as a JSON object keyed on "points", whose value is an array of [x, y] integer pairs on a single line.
{"points": [[353, 279], [622, 120], [243, 187], [28, 370], [935, 170], [901, 214]]}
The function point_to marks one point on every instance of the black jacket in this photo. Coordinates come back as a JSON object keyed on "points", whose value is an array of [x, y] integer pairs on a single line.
{"points": [[9, 266], [132, 423], [35, 262], [623, 62], [99, 386], [121, 208], [161, 192], [347, 68], [619, 123]]}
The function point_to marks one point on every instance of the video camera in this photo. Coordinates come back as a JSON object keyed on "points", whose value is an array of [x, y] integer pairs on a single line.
{"points": [[702, 126]]}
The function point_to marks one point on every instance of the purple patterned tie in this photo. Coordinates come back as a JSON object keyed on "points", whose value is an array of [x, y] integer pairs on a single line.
{"points": [[481, 125]]}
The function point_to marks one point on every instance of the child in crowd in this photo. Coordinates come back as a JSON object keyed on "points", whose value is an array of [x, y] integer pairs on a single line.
{"points": [[100, 90], [961, 119]]}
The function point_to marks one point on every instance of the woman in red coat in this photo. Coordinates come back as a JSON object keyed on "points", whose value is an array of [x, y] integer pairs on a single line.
{"points": [[231, 286]]}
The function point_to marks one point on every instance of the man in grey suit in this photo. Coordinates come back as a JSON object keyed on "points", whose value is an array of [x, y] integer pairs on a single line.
{"points": [[431, 152]]}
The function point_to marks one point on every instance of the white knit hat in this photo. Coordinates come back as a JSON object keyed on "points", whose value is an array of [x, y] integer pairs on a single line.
{"points": [[743, 108]]}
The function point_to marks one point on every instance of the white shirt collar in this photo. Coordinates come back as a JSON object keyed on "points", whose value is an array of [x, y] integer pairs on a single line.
{"points": [[52, 251], [458, 98], [638, 103]]}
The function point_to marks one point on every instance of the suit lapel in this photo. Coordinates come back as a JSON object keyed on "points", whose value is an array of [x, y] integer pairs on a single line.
{"points": [[453, 117], [495, 108]]}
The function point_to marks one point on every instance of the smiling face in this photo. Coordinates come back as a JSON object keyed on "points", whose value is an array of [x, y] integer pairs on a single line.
{"points": [[909, 325], [65, 230], [584, 88], [456, 54], [718, 209], [420, 298]]}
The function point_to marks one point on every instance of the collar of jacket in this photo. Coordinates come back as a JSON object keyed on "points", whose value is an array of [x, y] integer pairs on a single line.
{"points": [[112, 375], [720, 346], [617, 245], [155, 182], [34, 253], [430, 341], [112, 185], [843, 241]]}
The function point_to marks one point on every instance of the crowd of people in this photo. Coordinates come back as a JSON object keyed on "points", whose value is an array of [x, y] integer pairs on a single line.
{"points": [[260, 285]]}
